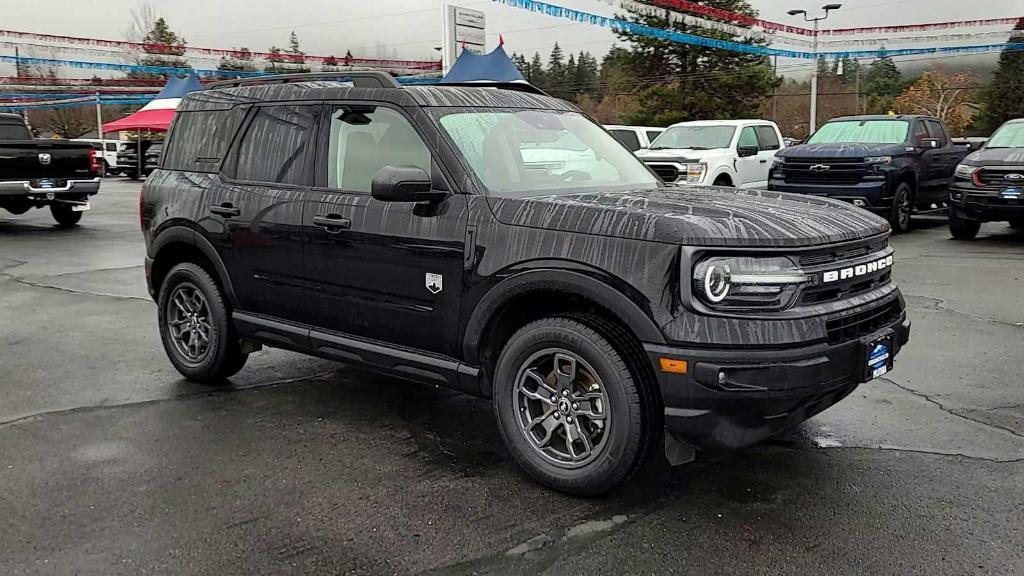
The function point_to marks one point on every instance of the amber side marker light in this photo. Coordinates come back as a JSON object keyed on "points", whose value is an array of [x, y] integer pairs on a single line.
{"points": [[674, 366]]}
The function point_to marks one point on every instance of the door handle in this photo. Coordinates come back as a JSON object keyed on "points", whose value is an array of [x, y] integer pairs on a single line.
{"points": [[332, 223], [764, 161], [226, 210]]}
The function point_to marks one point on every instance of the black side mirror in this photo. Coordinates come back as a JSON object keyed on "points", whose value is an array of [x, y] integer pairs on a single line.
{"points": [[404, 184], [745, 151]]}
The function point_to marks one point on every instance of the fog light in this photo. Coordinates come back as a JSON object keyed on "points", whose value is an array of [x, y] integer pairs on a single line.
{"points": [[859, 203], [956, 195]]}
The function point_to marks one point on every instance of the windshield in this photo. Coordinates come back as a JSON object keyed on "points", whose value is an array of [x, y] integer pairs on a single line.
{"points": [[10, 130], [862, 132], [1009, 136], [519, 153], [695, 137]]}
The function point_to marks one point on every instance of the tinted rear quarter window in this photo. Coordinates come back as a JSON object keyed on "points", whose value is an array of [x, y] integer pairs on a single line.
{"points": [[652, 134], [274, 147], [199, 140], [628, 139]]}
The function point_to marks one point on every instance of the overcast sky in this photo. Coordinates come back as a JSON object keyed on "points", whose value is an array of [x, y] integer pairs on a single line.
{"points": [[411, 28]]}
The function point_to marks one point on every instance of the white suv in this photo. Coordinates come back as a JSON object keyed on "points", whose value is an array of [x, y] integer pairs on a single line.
{"points": [[737, 153]]}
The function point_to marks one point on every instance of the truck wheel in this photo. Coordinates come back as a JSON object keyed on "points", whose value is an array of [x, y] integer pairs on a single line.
{"points": [[962, 229], [64, 215], [133, 174], [1018, 224], [570, 410], [195, 326], [723, 181], [902, 205]]}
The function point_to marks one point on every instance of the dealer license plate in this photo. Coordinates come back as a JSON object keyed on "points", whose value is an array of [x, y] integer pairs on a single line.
{"points": [[1011, 193], [45, 183], [878, 355]]}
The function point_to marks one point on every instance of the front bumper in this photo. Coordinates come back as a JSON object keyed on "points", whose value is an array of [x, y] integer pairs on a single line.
{"points": [[871, 195], [729, 399], [984, 204]]}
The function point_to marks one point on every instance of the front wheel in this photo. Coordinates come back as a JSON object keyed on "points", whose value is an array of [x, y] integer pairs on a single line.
{"points": [[902, 205], [962, 229], [195, 326], [64, 215], [570, 409]]}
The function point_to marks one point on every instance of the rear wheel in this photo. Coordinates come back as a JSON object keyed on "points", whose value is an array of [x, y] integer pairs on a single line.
{"points": [[962, 229], [195, 326], [569, 407], [902, 205], [64, 215]]}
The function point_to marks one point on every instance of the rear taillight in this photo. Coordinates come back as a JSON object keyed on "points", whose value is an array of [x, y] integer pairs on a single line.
{"points": [[94, 166], [142, 197]]}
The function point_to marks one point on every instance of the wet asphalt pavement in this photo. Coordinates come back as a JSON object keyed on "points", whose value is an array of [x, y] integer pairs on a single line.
{"points": [[110, 463]]}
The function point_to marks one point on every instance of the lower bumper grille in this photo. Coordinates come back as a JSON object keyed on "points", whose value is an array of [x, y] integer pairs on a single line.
{"points": [[862, 324]]}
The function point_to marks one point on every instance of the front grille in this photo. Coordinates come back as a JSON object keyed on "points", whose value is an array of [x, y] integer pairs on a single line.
{"points": [[829, 171], [817, 296], [861, 324], [666, 172], [839, 255], [997, 176]]}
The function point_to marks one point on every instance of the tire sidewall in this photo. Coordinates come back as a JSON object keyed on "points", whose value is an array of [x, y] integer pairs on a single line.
{"points": [[894, 220], [624, 429], [209, 366], [64, 215]]}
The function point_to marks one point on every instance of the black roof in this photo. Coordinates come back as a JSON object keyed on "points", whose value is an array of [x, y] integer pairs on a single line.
{"points": [[221, 96]]}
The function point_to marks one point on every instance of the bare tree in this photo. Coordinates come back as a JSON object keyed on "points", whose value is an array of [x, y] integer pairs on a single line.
{"points": [[947, 97], [69, 123]]}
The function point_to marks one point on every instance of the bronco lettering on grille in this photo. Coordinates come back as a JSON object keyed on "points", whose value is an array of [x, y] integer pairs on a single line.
{"points": [[856, 271]]}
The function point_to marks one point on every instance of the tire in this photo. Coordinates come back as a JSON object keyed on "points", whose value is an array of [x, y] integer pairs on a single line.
{"points": [[188, 290], [104, 169], [1018, 224], [580, 345], [962, 229], [902, 206], [64, 215], [134, 175], [723, 182]]}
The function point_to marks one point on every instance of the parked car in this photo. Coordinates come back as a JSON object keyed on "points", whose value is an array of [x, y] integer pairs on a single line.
{"points": [[128, 158], [889, 165], [735, 153], [989, 184], [36, 173], [400, 228], [107, 151], [635, 137]]}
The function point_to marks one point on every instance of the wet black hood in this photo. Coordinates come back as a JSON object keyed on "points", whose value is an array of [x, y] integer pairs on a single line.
{"points": [[842, 150], [696, 216], [996, 157]]}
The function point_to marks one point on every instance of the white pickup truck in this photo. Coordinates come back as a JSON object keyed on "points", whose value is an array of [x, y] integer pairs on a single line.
{"points": [[735, 153]]}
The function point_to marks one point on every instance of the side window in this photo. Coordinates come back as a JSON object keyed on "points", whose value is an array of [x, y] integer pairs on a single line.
{"points": [[748, 137], [111, 146], [935, 131], [628, 139], [652, 134], [274, 147], [920, 131], [767, 137], [364, 139]]}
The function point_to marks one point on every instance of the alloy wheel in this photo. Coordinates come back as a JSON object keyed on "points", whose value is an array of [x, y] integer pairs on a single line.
{"points": [[188, 320], [562, 408]]}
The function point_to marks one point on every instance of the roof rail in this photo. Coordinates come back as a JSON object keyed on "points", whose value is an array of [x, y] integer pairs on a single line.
{"points": [[361, 79], [515, 86]]}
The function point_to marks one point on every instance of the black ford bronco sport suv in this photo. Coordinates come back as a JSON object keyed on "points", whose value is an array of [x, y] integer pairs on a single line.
{"points": [[497, 241]]}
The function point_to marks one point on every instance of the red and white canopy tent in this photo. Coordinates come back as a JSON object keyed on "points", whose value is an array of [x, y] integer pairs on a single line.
{"points": [[158, 113]]}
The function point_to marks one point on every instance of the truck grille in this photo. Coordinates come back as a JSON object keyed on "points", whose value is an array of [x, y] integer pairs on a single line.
{"points": [[842, 254], [997, 176], [667, 172], [861, 324], [829, 171]]}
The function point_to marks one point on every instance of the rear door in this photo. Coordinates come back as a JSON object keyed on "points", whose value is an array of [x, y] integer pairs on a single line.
{"points": [[254, 210], [942, 163], [384, 271], [768, 146]]}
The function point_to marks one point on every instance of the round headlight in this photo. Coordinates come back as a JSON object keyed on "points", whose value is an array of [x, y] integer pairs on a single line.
{"points": [[716, 283]]}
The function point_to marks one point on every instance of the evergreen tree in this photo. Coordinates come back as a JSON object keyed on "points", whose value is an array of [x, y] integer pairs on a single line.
{"points": [[536, 76], [295, 54], [240, 63], [699, 82], [881, 85], [1002, 100], [331, 61], [585, 78], [163, 47], [554, 76]]}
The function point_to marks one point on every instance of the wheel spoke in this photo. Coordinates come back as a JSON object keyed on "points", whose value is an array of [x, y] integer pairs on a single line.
{"points": [[549, 424], [574, 434], [565, 370], [182, 303], [589, 410], [543, 392]]}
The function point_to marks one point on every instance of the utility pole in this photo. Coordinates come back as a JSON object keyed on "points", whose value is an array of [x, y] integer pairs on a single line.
{"points": [[99, 121], [857, 88], [17, 63], [814, 49], [775, 96]]}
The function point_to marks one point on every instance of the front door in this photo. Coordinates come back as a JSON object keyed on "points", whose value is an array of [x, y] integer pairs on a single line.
{"points": [[386, 271], [254, 211], [749, 168]]}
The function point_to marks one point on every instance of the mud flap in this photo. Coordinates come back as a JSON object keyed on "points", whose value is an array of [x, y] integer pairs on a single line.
{"points": [[678, 452]]}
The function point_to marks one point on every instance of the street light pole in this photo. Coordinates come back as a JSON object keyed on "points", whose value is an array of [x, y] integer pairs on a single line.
{"points": [[814, 49]]}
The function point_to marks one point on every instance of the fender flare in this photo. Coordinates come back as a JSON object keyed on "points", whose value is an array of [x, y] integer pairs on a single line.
{"points": [[185, 235], [562, 281], [722, 170]]}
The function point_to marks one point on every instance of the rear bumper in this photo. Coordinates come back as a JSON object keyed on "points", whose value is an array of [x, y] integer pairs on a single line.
{"points": [[984, 205], [729, 399], [70, 188], [873, 194]]}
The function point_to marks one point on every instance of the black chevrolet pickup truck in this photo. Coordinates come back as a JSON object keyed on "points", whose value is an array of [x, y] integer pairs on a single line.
{"points": [[989, 184], [37, 173], [889, 165]]}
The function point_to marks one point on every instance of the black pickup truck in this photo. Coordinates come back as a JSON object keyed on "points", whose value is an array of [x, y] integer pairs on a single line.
{"points": [[37, 173], [989, 184], [128, 158], [437, 234], [889, 165]]}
